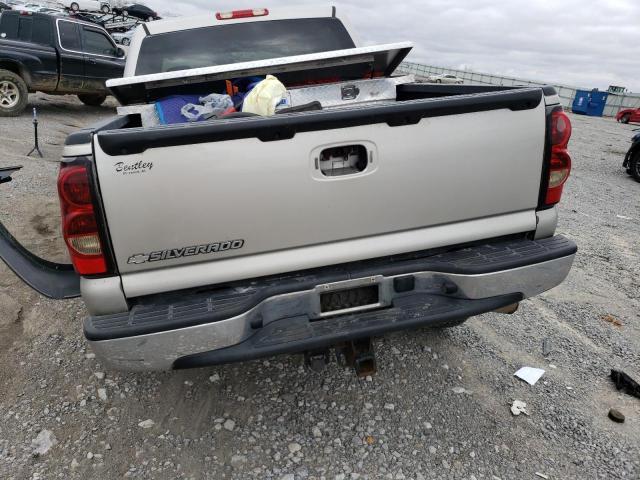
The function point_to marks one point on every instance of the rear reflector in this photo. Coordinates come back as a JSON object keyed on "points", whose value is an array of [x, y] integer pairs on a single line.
{"points": [[560, 161], [255, 12], [79, 225]]}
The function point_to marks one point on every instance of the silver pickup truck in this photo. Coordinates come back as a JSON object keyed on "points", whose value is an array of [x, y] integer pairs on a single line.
{"points": [[392, 206]]}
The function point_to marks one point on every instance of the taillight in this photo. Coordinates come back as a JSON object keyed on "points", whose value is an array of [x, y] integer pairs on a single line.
{"points": [[560, 161], [254, 12], [79, 224]]}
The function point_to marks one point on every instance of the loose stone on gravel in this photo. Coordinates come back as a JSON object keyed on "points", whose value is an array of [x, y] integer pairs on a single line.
{"points": [[238, 460], [146, 423], [102, 394], [294, 447]]}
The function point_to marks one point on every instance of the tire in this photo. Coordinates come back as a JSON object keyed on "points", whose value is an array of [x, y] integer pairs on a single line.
{"points": [[634, 166], [93, 100], [14, 94], [438, 80], [126, 42], [105, 9], [625, 118], [74, 7]]}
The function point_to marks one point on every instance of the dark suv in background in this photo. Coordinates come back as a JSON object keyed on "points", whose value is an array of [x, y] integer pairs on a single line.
{"points": [[55, 55]]}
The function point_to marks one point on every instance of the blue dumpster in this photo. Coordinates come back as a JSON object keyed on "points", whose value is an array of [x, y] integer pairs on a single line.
{"points": [[597, 102], [590, 103], [581, 102]]}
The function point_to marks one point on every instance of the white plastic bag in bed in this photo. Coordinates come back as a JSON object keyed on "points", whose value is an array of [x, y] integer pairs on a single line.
{"points": [[212, 105], [264, 97]]}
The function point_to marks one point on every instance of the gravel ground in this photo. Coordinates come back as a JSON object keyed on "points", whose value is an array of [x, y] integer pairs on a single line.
{"points": [[438, 407]]}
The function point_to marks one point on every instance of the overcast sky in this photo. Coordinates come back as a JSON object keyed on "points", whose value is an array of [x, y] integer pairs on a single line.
{"points": [[581, 43]]}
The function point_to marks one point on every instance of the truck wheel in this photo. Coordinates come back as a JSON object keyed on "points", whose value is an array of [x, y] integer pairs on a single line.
{"points": [[634, 166], [126, 41], [92, 100], [625, 118], [75, 7], [105, 9], [14, 94]]}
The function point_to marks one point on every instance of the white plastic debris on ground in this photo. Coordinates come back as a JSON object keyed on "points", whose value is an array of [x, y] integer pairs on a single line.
{"points": [[459, 390], [43, 442], [529, 374], [518, 407]]}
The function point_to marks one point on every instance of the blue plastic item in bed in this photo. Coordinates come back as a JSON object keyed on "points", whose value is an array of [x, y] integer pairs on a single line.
{"points": [[169, 108]]}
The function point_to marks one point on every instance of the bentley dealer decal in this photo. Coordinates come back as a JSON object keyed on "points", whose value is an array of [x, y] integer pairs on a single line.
{"points": [[173, 253], [133, 168]]}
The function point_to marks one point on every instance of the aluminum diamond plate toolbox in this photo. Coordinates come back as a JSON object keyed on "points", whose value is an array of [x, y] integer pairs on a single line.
{"points": [[346, 93]]}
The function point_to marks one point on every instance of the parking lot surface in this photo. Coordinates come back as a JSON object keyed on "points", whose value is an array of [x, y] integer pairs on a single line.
{"points": [[438, 408]]}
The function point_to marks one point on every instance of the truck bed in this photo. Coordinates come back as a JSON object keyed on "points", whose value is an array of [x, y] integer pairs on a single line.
{"points": [[246, 197]]}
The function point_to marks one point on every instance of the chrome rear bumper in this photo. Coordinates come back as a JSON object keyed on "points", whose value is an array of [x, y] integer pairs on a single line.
{"points": [[160, 350]]}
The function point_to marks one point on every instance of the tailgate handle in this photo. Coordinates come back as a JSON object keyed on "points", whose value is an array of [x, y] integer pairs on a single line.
{"points": [[343, 160]]}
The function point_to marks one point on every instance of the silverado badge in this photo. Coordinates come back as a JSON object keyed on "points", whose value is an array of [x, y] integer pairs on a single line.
{"points": [[173, 253]]}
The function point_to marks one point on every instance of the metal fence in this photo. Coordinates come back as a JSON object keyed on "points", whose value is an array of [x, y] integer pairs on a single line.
{"points": [[567, 94]]}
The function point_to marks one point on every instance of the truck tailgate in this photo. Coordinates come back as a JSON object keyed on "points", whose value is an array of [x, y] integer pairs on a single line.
{"points": [[202, 204]]}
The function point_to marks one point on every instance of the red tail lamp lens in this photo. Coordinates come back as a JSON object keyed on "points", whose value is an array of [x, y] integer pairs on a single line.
{"points": [[560, 129], [74, 182], [560, 161], [79, 224]]}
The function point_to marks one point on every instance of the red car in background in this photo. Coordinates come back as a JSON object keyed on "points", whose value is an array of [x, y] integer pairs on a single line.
{"points": [[628, 115]]}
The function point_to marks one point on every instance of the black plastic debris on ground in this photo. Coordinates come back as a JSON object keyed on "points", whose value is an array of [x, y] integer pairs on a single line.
{"points": [[625, 382], [616, 416]]}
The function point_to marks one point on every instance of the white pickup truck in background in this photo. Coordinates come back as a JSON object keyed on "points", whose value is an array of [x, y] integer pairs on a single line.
{"points": [[390, 205]]}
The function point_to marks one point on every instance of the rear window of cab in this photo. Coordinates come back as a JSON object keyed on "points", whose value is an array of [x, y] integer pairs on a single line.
{"points": [[240, 42]]}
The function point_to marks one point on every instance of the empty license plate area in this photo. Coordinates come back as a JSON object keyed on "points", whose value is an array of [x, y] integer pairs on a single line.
{"points": [[350, 296]]}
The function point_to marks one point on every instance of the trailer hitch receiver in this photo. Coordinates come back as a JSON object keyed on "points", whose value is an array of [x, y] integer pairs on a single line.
{"points": [[358, 354]]}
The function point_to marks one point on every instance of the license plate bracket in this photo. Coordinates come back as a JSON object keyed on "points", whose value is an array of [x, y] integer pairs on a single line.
{"points": [[350, 296]]}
